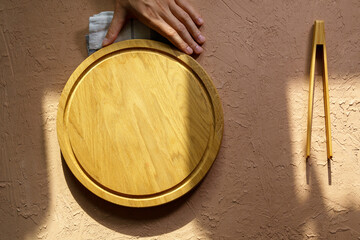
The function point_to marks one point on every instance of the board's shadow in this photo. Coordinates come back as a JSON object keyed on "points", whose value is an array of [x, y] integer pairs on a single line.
{"points": [[127, 220]]}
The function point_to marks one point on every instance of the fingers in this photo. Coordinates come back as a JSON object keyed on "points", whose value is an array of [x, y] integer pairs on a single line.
{"points": [[185, 18], [194, 14], [115, 26], [183, 31], [171, 34], [177, 20]]}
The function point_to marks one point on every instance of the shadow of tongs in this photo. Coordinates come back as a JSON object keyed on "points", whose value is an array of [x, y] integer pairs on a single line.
{"points": [[319, 40]]}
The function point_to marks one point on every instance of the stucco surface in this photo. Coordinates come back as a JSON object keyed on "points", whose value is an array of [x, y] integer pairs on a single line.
{"points": [[260, 186]]}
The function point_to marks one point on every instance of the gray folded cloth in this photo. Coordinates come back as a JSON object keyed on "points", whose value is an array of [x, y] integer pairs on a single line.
{"points": [[133, 29]]}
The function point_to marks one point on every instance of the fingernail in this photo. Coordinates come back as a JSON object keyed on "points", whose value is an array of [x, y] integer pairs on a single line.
{"points": [[201, 38], [105, 42], [200, 20], [198, 49], [189, 50]]}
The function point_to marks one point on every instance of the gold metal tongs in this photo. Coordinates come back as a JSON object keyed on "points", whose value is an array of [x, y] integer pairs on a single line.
{"points": [[319, 40]]}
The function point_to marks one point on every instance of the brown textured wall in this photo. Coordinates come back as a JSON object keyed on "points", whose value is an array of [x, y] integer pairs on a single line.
{"points": [[258, 53]]}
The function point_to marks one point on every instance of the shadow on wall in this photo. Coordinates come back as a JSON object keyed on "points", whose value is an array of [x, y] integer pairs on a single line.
{"points": [[24, 186]]}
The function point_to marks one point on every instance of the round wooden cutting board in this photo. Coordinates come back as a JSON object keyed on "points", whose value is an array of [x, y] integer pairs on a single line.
{"points": [[139, 123]]}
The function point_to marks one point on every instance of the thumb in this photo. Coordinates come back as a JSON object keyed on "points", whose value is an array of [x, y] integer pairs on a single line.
{"points": [[115, 26]]}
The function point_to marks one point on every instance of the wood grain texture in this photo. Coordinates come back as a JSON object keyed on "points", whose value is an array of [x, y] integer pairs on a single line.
{"points": [[139, 123]]}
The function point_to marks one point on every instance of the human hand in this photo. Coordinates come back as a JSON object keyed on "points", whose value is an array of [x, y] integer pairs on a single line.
{"points": [[177, 20]]}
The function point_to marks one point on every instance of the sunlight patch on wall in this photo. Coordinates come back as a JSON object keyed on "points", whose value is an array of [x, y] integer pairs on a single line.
{"points": [[336, 184], [54, 169]]}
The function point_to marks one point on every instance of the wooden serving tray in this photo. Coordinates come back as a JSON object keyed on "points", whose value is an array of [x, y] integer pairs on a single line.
{"points": [[139, 123]]}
